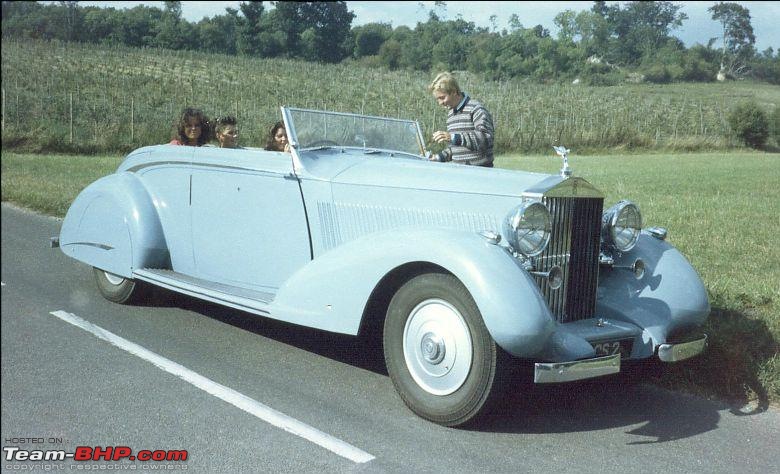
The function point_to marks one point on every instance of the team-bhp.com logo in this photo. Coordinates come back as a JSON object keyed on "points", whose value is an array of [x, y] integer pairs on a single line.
{"points": [[89, 453]]}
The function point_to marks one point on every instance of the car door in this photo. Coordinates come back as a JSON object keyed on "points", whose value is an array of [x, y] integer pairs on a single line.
{"points": [[249, 225]]}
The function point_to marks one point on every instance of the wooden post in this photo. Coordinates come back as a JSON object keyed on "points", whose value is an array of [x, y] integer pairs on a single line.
{"points": [[701, 118], [3, 123], [71, 117], [132, 121]]}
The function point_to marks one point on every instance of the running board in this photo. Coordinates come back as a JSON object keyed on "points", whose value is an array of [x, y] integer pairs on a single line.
{"points": [[239, 298]]}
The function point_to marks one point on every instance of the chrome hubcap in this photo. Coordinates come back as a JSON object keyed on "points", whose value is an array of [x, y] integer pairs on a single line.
{"points": [[113, 279], [433, 349], [437, 347]]}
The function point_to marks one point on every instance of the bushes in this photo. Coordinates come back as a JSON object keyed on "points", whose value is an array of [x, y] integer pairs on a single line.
{"points": [[658, 74], [774, 125], [750, 123]]}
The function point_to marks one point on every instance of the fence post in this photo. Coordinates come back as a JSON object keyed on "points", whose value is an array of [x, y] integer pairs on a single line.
{"points": [[3, 123], [132, 121], [71, 117]]}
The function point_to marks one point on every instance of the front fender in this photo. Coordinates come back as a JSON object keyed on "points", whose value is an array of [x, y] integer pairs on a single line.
{"points": [[331, 292], [113, 225], [670, 295]]}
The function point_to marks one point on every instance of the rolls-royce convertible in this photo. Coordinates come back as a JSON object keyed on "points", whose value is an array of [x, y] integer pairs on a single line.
{"points": [[467, 271]]}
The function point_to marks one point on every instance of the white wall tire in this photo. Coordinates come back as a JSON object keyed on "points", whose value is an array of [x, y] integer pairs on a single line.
{"points": [[439, 354], [115, 288]]}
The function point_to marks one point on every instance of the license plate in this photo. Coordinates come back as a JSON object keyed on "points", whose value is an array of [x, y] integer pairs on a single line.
{"points": [[608, 348]]}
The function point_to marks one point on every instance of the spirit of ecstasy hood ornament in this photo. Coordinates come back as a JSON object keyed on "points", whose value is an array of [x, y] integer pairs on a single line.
{"points": [[563, 152]]}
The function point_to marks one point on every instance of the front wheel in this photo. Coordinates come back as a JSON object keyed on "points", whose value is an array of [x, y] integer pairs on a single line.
{"points": [[116, 288], [439, 354]]}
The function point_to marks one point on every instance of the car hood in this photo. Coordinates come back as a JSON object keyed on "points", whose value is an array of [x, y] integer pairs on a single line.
{"points": [[432, 176]]}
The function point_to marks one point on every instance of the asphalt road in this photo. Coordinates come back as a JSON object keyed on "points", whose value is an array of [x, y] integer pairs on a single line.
{"points": [[65, 387]]}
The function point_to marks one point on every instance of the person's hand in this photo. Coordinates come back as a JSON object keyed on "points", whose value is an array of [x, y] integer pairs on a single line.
{"points": [[441, 137], [287, 148]]}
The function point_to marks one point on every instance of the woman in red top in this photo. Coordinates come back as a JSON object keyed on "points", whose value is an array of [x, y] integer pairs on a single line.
{"points": [[193, 128]]}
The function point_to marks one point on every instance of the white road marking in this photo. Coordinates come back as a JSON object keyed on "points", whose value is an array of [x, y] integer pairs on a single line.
{"points": [[227, 394]]}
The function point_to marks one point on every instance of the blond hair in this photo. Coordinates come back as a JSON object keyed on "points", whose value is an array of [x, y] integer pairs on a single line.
{"points": [[445, 82]]}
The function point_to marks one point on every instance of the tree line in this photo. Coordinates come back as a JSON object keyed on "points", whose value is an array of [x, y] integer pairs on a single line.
{"points": [[605, 45]]}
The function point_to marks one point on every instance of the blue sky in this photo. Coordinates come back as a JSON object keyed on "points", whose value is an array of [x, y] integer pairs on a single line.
{"points": [[698, 28]]}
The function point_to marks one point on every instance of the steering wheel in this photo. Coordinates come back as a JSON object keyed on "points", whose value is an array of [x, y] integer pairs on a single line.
{"points": [[321, 143]]}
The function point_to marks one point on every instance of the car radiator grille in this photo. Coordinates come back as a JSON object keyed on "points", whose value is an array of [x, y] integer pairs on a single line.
{"points": [[574, 247]]}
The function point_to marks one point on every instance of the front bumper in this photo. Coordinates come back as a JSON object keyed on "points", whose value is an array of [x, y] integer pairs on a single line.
{"points": [[556, 372], [682, 351]]}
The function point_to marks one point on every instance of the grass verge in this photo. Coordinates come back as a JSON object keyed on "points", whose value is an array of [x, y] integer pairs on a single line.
{"points": [[722, 211]]}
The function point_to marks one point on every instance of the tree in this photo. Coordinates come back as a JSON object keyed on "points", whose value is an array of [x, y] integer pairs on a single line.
{"points": [[249, 28], [639, 29], [169, 30], [73, 18], [390, 53], [514, 23], [218, 34], [369, 38], [565, 21], [330, 24], [138, 25], [738, 37]]}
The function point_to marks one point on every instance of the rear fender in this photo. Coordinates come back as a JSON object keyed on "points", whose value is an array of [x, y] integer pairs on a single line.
{"points": [[113, 225], [332, 291]]}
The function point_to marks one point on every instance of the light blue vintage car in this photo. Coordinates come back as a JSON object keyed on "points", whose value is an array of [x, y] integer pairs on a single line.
{"points": [[468, 270]]}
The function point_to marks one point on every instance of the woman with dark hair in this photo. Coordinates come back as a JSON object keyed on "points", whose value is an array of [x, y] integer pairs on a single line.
{"points": [[192, 128], [277, 138]]}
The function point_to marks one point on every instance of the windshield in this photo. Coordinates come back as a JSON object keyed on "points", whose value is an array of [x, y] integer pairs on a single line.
{"points": [[312, 128]]}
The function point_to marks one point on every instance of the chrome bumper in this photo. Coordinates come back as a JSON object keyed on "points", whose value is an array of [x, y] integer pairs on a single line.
{"points": [[576, 370], [685, 350]]}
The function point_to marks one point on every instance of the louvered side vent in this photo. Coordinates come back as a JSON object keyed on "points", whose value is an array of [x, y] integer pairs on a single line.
{"points": [[574, 246]]}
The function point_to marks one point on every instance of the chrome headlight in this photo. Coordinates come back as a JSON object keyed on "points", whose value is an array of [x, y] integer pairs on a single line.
{"points": [[527, 228], [621, 225]]}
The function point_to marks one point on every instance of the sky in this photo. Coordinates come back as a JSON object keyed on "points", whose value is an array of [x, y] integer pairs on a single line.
{"points": [[698, 28]]}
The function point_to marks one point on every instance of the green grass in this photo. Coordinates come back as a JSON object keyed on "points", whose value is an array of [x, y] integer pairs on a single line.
{"points": [[722, 211], [97, 99], [49, 183]]}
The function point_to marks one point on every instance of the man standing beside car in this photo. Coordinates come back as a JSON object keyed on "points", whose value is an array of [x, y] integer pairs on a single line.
{"points": [[469, 125]]}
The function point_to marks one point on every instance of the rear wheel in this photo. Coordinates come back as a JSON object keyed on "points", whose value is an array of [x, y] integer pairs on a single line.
{"points": [[439, 354], [116, 288]]}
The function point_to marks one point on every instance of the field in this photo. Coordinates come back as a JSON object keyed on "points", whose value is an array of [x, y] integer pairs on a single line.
{"points": [[65, 97], [722, 212]]}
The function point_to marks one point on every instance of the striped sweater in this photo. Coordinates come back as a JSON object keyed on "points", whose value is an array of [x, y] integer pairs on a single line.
{"points": [[471, 127]]}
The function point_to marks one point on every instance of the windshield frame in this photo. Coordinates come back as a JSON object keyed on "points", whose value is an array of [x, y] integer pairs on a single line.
{"points": [[292, 134]]}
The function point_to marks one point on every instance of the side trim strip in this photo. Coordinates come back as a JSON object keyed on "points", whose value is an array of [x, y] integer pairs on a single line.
{"points": [[92, 244]]}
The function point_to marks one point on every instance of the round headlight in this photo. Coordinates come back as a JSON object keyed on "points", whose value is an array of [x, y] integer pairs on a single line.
{"points": [[622, 225], [528, 228]]}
